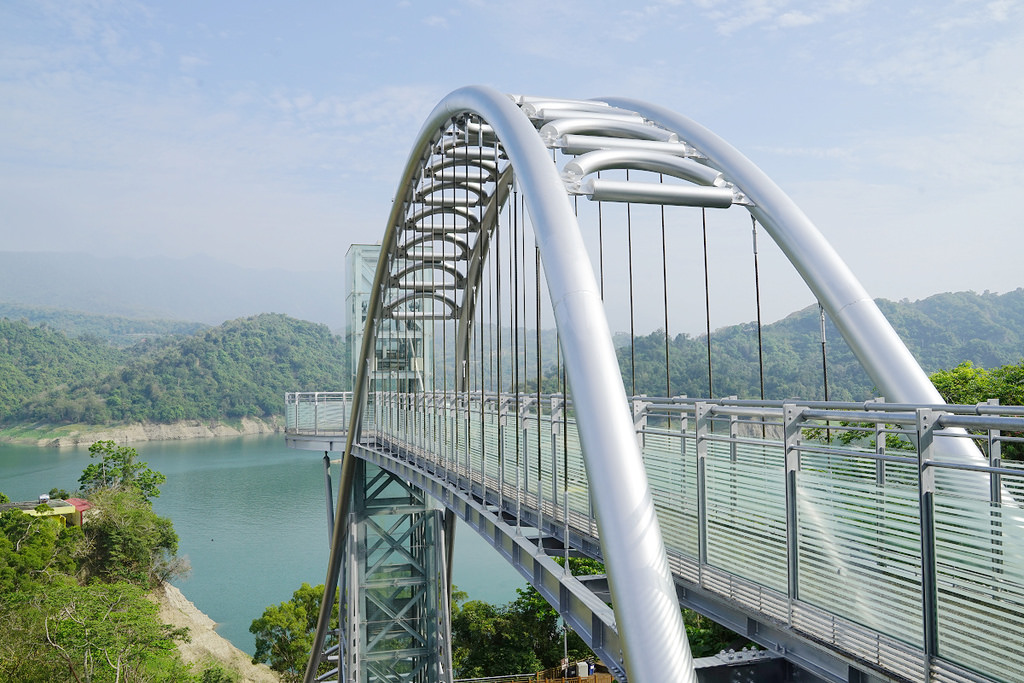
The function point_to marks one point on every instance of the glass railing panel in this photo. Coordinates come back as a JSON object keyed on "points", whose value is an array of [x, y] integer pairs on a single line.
{"points": [[579, 486], [492, 462], [333, 416], [673, 485], [746, 512], [1015, 485], [860, 550], [980, 570]]}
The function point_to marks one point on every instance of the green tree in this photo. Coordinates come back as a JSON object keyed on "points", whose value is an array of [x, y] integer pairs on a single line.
{"points": [[522, 636], [525, 636], [284, 633], [119, 468], [72, 599], [33, 550], [966, 384], [708, 637], [238, 369], [97, 633], [128, 541], [218, 674], [488, 641]]}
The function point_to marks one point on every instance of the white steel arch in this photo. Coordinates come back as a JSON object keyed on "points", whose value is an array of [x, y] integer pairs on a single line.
{"points": [[506, 140]]}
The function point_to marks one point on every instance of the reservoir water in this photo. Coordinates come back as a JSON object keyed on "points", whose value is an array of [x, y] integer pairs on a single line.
{"points": [[250, 516]]}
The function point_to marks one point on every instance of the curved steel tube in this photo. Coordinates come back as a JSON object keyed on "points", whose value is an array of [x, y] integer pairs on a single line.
{"points": [[644, 160], [870, 336], [647, 612], [651, 630], [881, 352]]}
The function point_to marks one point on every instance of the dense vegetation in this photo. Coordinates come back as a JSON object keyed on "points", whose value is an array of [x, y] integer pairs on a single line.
{"points": [[523, 636], [968, 385], [239, 369], [115, 330], [35, 359], [941, 331], [73, 600], [243, 367], [284, 633]]}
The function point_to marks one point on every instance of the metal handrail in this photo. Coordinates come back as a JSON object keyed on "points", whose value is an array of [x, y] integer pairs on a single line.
{"points": [[891, 522], [316, 413]]}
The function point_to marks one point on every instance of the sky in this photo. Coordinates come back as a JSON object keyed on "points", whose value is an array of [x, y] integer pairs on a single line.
{"points": [[272, 134]]}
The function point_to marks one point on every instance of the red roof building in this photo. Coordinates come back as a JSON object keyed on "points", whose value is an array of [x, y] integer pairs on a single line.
{"points": [[81, 505]]}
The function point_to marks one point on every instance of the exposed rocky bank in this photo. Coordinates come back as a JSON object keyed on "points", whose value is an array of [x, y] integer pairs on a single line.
{"points": [[85, 435], [206, 645]]}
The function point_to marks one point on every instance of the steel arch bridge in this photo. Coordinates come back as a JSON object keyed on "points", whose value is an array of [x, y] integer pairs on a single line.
{"points": [[849, 563]]}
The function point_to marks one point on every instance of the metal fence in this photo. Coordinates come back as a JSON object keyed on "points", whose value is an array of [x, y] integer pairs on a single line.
{"points": [[845, 522], [317, 413]]}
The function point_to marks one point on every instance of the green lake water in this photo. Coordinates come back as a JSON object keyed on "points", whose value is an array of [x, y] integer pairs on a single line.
{"points": [[250, 516]]}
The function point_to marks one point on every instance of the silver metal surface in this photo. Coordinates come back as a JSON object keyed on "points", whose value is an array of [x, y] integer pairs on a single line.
{"points": [[879, 349], [858, 548], [587, 613], [745, 541], [396, 600], [640, 581], [601, 190], [643, 160]]}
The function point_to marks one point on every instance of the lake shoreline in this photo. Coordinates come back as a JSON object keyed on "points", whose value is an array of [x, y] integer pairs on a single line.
{"points": [[70, 436], [205, 646]]}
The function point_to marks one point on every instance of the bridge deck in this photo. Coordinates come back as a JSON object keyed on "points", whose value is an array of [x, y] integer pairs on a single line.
{"points": [[846, 579]]}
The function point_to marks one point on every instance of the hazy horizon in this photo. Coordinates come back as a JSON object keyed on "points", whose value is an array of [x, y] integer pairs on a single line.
{"points": [[258, 293], [273, 136]]}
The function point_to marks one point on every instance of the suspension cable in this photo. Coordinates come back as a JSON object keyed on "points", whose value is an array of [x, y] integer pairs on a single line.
{"points": [[515, 325], [757, 296], [433, 336], [481, 375], [664, 291], [824, 358], [526, 345], [540, 378], [444, 341], [600, 242], [501, 379], [632, 322], [824, 366], [707, 298]]}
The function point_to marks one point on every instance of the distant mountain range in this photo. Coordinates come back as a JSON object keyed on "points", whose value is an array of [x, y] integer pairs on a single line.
{"points": [[941, 332], [196, 289], [117, 331], [241, 368], [65, 366]]}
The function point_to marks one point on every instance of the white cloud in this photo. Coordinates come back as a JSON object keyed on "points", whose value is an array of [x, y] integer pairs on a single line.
{"points": [[833, 153], [797, 18], [107, 126], [730, 18], [191, 62]]}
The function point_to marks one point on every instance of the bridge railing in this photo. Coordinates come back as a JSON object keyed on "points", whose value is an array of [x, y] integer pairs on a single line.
{"points": [[842, 521], [316, 413]]}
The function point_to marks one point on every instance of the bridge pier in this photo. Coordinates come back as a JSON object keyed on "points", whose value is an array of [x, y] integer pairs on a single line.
{"points": [[395, 588]]}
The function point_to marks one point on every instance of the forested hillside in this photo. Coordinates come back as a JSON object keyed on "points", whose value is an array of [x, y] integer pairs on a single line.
{"points": [[238, 369], [35, 359], [243, 367], [941, 331]]}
